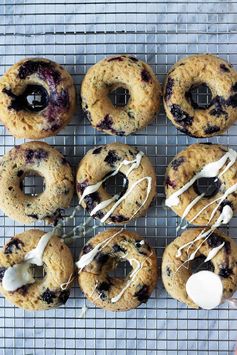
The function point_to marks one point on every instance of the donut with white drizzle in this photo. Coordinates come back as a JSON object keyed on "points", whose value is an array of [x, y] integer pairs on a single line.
{"points": [[103, 162], [209, 250], [18, 282], [196, 162], [102, 254]]}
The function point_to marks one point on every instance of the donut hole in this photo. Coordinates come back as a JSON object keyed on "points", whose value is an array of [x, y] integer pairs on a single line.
{"points": [[119, 97], [38, 272], [122, 270], [35, 98], [116, 185], [32, 184], [199, 96], [208, 186], [199, 264]]}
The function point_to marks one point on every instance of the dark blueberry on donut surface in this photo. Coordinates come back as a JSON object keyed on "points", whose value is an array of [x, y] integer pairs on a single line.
{"points": [[115, 59], [39, 154], [111, 158], [225, 271], [20, 173], [177, 162], [143, 294], [234, 87], [119, 218], [180, 116], [134, 59], [13, 245], [60, 99], [22, 290], [211, 129], [106, 123], [33, 215], [2, 272], [170, 182], [81, 186], [117, 249], [97, 150], [45, 71], [168, 271], [91, 199], [103, 288], [63, 296], [101, 258], [169, 88], [87, 248], [48, 296], [10, 188], [232, 101], [145, 76], [224, 68]]}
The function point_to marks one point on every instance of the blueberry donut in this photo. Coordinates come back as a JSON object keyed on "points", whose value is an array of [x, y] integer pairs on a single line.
{"points": [[111, 73], [37, 98], [40, 159], [101, 255], [189, 117], [176, 270], [18, 270], [201, 184], [139, 183]]}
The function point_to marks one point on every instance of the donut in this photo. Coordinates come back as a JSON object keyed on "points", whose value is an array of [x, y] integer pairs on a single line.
{"points": [[212, 164], [139, 183], [111, 73], [176, 269], [18, 283], [37, 98], [41, 159], [102, 254], [189, 117]]}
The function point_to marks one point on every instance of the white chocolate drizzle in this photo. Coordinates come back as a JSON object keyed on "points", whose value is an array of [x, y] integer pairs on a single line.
{"points": [[19, 275], [93, 188], [210, 170], [86, 259], [224, 218], [212, 253]]}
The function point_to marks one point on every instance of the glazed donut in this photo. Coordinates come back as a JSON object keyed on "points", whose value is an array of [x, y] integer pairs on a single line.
{"points": [[19, 285], [111, 73], [176, 269], [41, 159], [103, 162], [54, 98], [101, 255], [190, 72], [215, 164]]}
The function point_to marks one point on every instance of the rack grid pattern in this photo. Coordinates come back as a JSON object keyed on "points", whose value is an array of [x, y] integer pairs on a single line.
{"points": [[77, 35]]}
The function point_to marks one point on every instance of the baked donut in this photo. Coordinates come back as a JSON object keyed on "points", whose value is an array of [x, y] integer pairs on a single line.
{"points": [[111, 73], [102, 254], [176, 269], [216, 167], [194, 71], [17, 280], [41, 159], [53, 103], [103, 162]]}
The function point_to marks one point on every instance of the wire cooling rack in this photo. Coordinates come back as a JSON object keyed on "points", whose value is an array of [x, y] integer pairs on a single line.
{"points": [[77, 35]]}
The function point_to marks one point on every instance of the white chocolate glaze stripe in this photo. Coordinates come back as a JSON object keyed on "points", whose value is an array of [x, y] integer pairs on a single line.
{"points": [[210, 170], [93, 188], [103, 204], [213, 252], [149, 180], [188, 209], [86, 259], [35, 256]]}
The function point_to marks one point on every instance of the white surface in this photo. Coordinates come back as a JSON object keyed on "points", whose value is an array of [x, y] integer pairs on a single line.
{"points": [[205, 289], [77, 36]]}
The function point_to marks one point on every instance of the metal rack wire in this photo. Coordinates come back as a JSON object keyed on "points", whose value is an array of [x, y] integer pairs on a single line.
{"points": [[78, 34]]}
